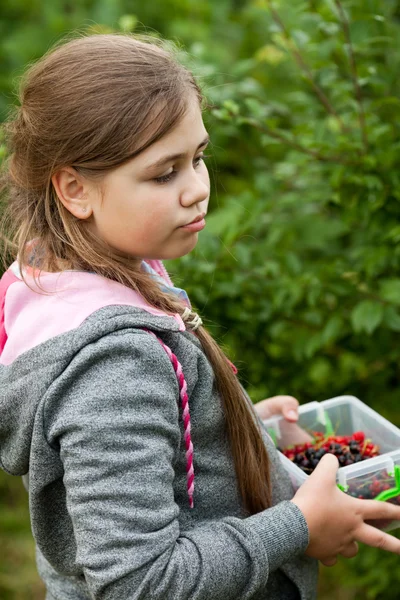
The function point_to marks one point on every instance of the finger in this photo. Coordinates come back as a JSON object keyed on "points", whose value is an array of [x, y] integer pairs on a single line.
{"points": [[374, 509], [285, 405], [377, 539], [326, 470], [329, 562], [290, 412], [350, 551], [274, 406], [262, 409]]}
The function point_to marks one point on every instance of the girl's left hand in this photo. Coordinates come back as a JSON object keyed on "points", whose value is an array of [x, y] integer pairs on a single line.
{"points": [[287, 406]]}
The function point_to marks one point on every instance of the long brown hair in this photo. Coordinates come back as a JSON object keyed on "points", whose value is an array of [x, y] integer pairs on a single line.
{"points": [[93, 103]]}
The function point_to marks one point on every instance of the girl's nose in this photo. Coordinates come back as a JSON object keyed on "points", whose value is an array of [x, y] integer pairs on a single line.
{"points": [[197, 189]]}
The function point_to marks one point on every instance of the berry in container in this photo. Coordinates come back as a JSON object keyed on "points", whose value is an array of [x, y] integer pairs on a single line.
{"points": [[366, 444]]}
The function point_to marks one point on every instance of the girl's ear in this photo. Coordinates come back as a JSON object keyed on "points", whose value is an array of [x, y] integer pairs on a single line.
{"points": [[71, 190]]}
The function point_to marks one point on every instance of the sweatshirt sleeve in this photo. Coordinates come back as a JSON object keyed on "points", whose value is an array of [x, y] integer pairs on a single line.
{"points": [[114, 414]]}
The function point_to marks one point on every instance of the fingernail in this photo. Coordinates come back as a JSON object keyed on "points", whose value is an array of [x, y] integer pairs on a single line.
{"points": [[292, 414]]}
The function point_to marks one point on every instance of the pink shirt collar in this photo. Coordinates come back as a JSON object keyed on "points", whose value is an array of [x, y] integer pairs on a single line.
{"points": [[33, 316]]}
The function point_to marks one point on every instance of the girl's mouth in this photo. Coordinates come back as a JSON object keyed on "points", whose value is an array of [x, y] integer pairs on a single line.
{"points": [[195, 225]]}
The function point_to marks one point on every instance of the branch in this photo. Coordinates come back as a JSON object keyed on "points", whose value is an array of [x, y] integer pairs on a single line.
{"points": [[316, 154], [305, 68], [353, 69]]}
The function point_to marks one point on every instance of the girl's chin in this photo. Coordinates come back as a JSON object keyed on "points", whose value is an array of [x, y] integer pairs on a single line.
{"points": [[182, 250]]}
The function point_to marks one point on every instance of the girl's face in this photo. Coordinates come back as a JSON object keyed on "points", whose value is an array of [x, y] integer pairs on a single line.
{"points": [[144, 205]]}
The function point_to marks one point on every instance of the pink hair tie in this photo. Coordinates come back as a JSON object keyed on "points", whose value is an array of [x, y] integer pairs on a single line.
{"points": [[234, 369], [185, 415]]}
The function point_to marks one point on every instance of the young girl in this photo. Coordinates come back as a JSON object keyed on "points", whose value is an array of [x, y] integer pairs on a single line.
{"points": [[148, 470]]}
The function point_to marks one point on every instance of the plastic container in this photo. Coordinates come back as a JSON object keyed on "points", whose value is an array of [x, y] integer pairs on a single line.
{"points": [[374, 478]]}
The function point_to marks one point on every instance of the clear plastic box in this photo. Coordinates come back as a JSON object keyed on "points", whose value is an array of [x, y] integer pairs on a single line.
{"points": [[375, 478]]}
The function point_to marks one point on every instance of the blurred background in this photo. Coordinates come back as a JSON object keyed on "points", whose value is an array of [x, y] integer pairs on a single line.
{"points": [[297, 272]]}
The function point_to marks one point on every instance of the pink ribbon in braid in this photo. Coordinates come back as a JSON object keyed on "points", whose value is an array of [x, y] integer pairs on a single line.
{"points": [[185, 415]]}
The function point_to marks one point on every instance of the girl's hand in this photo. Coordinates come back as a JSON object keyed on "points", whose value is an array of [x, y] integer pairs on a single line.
{"points": [[336, 521], [287, 406]]}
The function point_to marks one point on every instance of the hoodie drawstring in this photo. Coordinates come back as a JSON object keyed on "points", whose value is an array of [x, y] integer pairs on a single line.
{"points": [[185, 416]]}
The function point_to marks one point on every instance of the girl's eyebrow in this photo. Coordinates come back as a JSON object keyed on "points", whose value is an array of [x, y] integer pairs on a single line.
{"points": [[166, 159]]}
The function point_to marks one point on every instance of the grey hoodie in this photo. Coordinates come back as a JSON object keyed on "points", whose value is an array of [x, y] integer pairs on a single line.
{"points": [[90, 416]]}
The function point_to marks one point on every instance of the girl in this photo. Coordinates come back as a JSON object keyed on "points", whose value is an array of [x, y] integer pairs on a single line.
{"points": [[149, 474]]}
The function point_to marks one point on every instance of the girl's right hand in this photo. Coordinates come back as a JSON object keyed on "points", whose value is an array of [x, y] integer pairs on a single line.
{"points": [[336, 521]]}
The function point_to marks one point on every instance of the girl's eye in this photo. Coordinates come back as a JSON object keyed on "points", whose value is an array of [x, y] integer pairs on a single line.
{"points": [[165, 178], [198, 159], [169, 176]]}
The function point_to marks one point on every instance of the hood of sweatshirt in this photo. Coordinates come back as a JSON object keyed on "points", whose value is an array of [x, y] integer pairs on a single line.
{"points": [[34, 313], [39, 336]]}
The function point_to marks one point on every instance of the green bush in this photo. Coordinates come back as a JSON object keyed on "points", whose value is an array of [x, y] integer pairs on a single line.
{"points": [[304, 240], [301, 254], [297, 272]]}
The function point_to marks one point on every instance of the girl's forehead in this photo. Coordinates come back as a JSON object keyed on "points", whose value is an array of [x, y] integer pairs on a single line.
{"points": [[189, 126]]}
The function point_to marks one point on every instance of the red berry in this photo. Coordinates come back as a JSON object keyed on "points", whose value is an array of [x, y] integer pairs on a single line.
{"points": [[341, 439], [359, 436], [348, 448], [375, 487]]}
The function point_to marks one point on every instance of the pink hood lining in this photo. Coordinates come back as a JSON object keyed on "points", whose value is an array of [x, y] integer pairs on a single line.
{"points": [[28, 317]]}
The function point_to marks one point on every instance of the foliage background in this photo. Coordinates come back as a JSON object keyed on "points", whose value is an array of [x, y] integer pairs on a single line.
{"points": [[297, 272]]}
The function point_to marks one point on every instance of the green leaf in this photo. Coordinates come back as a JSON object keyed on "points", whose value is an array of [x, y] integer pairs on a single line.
{"points": [[312, 345], [366, 316], [392, 318], [332, 329], [390, 290], [231, 107]]}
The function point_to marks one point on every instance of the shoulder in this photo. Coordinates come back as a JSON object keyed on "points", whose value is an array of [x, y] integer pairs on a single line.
{"points": [[123, 352], [122, 377]]}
